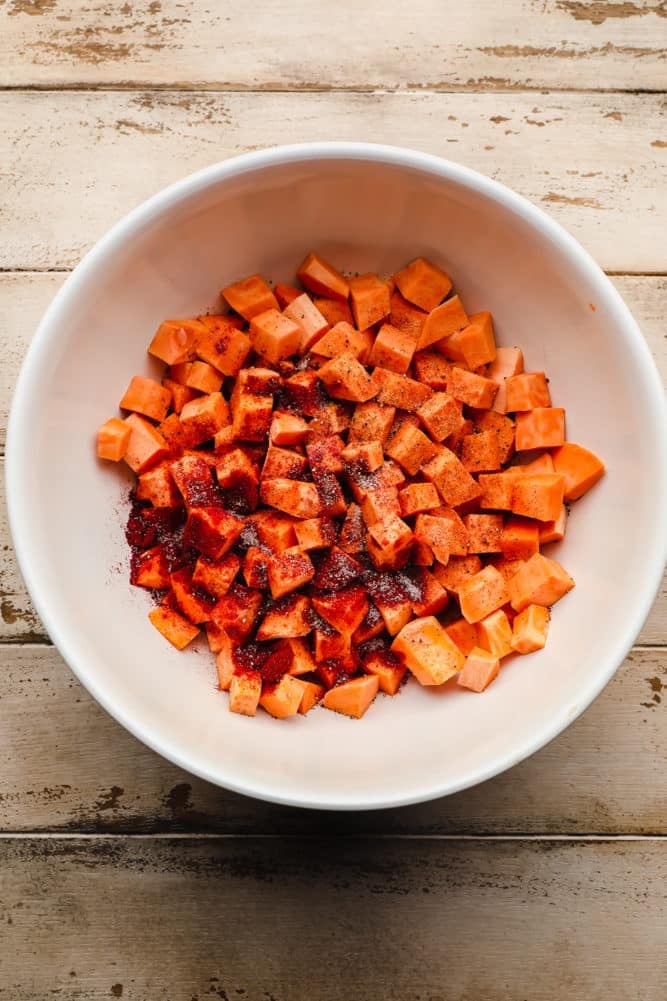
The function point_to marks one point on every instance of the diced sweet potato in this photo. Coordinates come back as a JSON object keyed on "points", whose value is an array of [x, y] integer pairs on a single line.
{"points": [[371, 422], [352, 698], [482, 594], [194, 479], [244, 693], [484, 532], [204, 378], [331, 418], [480, 452], [342, 338], [149, 569], [193, 604], [458, 570], [238, 477], [405, 316], [442, 321], [347, 379], [468, 387], [479, 670], [308, 319], [312, 694], [315, 533], [431, 369], [580, 468], [463, 634], [291, 496], [157, 486], [256, 567], [174, 341], [388, 542], [287, 619], [519, 539], [387, 668], [351, 538], [180, 395], [538, 496], [345, 610], [287, 429], [284, 463], [399, 391], [112, 439], [250, 297], [502, 427], [274, 336], [540, 581], [392, 601], [334, 310], [321, 278], [554, 531], [372, 626], [202, 418], [369, 300], [410, 448], [475, 344], [496, 490], [542, 427], [508, 362], [542, 464], [288, 571], [527, 391], [251, 414], [416, 498], [427, 651], [330, 645], [224, 662], [276, 531], [282, 699], [325, 454], [145, 446], [236, 612], [173, 626], [216, 576], [222, 345], [441, 415], [434, 532], [454, 483], [364, 456], [285, 294], [423, 284], [212, 531], [147, 397], [508, 567], [494, 633], [427, 596], [530, 628], [393, 349]]}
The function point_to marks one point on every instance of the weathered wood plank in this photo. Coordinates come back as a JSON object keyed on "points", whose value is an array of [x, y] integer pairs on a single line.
{"points": [[88, 157], [520, 43], [339, 918], [68, 767]]}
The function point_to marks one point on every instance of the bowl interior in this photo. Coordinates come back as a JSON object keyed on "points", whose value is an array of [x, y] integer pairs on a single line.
{"points": [[68, 510]]}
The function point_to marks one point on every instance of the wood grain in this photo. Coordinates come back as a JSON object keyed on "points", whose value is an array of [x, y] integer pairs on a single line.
{"points": [[427, 44], [276, 920], [72, 163], [68, 767]]}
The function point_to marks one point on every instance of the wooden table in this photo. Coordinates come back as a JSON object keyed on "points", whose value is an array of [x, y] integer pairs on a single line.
{"points": [[121, 876]]}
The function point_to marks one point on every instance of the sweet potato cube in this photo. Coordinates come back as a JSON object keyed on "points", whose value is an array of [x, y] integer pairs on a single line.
{"points": [[454, 483], [289, 571], [405, 316], [236, 612], [542, 464], [482, 594], [191, 603], [224, 662], [202, 418], [149, 569], [292, 496], [539, 496], [274, 336], [315, 533], [484, 532], [434, 532], [275, 531], [423, 284], [250, 297], [508, 362], [542, 427], [283, 463], [427, 651], [508, 566], [325, 454], [442, 321], [147, 397], [540, 581], [410, 448], [251, 414], [426, 594], [256, 567], [304, 392], [527, 391], [387, 668], [285, 294], [399, 391], [157, 486], [329, 645], [204, 378], [222, 345], [372, 626], [416, 498], [519, 539], [345, 610], [180, 395], [112, 439], [553, 531], [194, 479], [287, 619], [496, 490], [391, 599], [322, 279], [173, 626], [501, 426], [212, 531], [312, 694], [346, 379], [463, 634], [343, 337], [530, 628], [378, 504], [215, 637], [244, 693], [174, 341], [308, 319], [364, 457], [468, 387], [331, 418], [145, 446], [431, 369], [480, 452], [479, 670], [352, 698], [369, 300], [458, 570], [216, 576], [440, 414], [237, 475], [580, 468], [475, 344], [283, 698], [351, 538], [287, 429], [494, 633], [388, 542], [302, 658], [393, 349], [334, 310], [371, 422]]}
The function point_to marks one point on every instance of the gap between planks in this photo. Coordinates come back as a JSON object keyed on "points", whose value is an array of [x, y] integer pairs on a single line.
{"points": [[567, 838], [503, 87]]}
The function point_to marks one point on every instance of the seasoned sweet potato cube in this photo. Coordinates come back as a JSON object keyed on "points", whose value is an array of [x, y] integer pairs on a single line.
{"points": [[494, 633], [390, 597], [173, 626], [292, 496], [503, 427], [276, 531], [112, 439], [376, 505], [508, 362], [482, 594], [454, 483], [480, 452], [250, 297], [387, 668], [393, 349], [334, 310], [399, 391], [174, 434], [434, 532], [236, 612], [256, 567], [157, 486], [193, 604], [388, 542], [538, 496], [330, 645], [331, 418], [304, 392], [346, 379], [194, 479], [352, 698], [174, 341], [410, 448], [441, 415], [216, 576], [222, 345], [325, 454], [345, 610], [321, 278], [203, 417], [308, 319], [145, 446], [216, 637], [479, 670], [343, 337], [149, 569], [426, 594], [553, 531], [580, 468], [508, 566], [212, 531], [288, 618], [147, 397], [315, 533], [283, 698], [238, 477], [457, 534], [351, 538], [416, 498], [463, 633], [312, 694], [371, 422], [251, 414], [484, 532], [179, 373], [204, 378], [405, 316], [431, 369], [423, 284], [244, 693], [475, 344], [287, 429], [458, 570], [372, 626], [224, 661], [530, 628], [442, 321], [289, 571], [285, 294], [468, 387], [542, 427], [369, 300], [365, 456], [427, 651], [302, 658], [527, 391], [496, 490], [540, 581], [283, 463], [180, 395], [274, 336]]}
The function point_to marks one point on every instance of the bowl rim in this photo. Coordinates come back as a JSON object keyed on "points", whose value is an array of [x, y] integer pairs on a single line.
{"points": [[181, 191]]}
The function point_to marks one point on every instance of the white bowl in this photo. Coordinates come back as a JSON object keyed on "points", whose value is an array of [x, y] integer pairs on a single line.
{"points": [[367, 208]]}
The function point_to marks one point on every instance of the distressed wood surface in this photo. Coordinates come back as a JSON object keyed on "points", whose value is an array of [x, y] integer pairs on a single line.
{"points": [[283, 920], [71, 163], [68, 767], [605, 44]]}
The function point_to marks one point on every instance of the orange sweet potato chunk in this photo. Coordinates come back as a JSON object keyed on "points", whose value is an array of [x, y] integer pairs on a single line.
{"points": [[250, 297], [287, 619], [173, 626], [540, 581], [520, 538], [292, 496], [146, 396], [393, 349], [530, 628], [427, 651], [553, 531], [463, 634], [343, 337], [112, 439], [174, 341], [410, 448], [285, 294], [538, 496], [222, 345], [482, 594], [415, 498], [369, 299], [443, 321], [508, 362], [347, 379], [475, 344], [454, 483], [541, 427], [468, 387], [312, 693], [394, 390], [352, 698], [283, 699], [274, 336], [244, 693], [145, 447], [458, 570], [441, 415], [308, 318], [479, 670], [322, 279], [423, 284], [494, 633], [580, 468], [527, 391]]}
